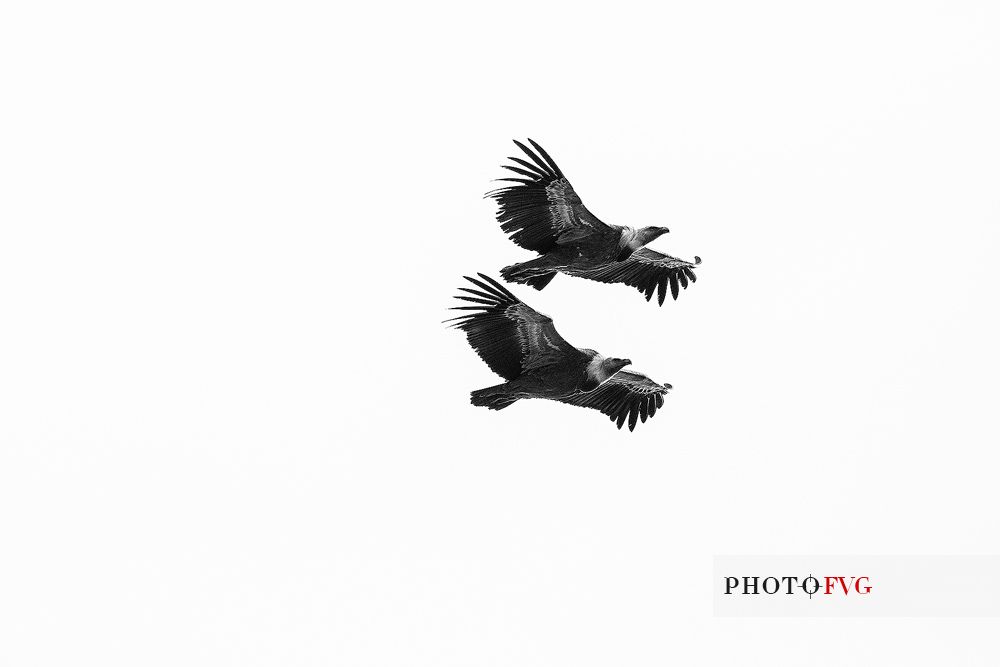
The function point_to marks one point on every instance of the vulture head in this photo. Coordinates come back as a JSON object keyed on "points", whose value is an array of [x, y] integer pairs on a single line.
{"points": [[602, 368], [613, 364], [648, 234]]}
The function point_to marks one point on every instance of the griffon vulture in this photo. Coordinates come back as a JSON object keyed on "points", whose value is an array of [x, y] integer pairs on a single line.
{"points": [[541, 212], [522, 346]]}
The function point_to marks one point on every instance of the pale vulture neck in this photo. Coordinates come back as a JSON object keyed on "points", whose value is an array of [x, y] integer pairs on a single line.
{"points": [[596, 369], [636, 238]]}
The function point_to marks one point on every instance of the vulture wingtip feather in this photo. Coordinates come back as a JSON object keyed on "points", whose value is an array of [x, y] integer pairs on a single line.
{"points": [[497, 285], [497, 296], [546, 157], [535, 158]]}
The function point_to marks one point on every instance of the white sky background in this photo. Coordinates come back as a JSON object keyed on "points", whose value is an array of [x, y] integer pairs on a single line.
{"points": [[235, 433]]}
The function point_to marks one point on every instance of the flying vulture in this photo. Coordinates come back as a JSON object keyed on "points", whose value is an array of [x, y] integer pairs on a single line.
{"points": [[522, 346], [541, 212]]}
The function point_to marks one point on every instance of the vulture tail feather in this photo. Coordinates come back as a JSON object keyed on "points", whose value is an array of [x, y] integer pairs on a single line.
{"points": [[493, 398], [536, 272], [539, 282]]}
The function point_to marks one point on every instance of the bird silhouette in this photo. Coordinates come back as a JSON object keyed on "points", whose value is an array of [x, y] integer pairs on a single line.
{"points": [[542, 212], [522, 346]]}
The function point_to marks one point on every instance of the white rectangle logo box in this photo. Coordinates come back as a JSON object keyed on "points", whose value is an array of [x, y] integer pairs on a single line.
{"points": [[856, 586]]}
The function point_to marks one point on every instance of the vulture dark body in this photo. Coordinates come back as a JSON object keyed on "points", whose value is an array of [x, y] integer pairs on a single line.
{"points": [[542, 212], [522, 346]]}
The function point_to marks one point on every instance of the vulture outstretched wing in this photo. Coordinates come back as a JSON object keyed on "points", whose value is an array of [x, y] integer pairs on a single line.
{"points": [[541, 209], [646, 270], [626, 395], [510, 336]]}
